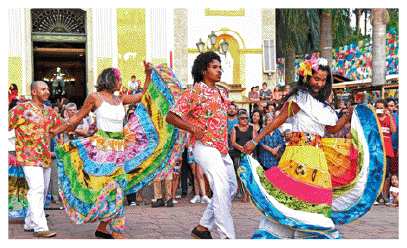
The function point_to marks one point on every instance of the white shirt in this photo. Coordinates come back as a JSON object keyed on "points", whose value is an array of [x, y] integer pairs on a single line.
{"points": [[132, 85], [11, 140], [109, 117], [313, 115], [395, 190]]}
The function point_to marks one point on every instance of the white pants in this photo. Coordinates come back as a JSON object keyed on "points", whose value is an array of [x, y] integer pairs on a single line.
{"points": [[38, 181], [221, 175]]}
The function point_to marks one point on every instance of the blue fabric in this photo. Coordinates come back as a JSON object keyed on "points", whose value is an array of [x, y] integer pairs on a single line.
{"points": [[371, 129], [261, 202], [231, 124], [266, 158], [395, 136]]}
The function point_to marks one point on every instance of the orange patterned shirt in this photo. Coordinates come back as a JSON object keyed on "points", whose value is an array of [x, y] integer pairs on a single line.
{"points": [[206, 108]]}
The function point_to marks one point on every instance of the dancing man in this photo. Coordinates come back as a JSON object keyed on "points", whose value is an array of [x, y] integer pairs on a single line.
{"points": [[317, 182], [32, 122], [205, 108]]}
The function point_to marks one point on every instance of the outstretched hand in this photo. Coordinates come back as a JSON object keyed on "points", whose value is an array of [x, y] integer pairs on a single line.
{"points": [[148, 68]]}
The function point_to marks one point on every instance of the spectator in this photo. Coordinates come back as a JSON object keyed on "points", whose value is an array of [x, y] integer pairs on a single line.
{"points": [[22, 98], [287, 90], [388, 126], [254, 94], [13, 93], [394, 190], [394, 162], [124, 91], [158, 200], [175, 178], [277, 94], [133, 85], [232, 119], [257, 122], [265, 94], [139, 89], [271, 147], [270, 108], [186, 175], [341, 106], [241, 133], [53, 184], [81, 130], [199, 181]]}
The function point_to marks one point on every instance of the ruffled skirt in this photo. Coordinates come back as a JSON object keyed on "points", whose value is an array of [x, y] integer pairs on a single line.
{"points": [[97, 172], [318, 182]]}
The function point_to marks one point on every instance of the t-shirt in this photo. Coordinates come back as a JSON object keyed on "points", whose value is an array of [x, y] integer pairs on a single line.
{"points": [[133, 85], [385, 126], [232, 123], [205, 108], [266, 94], [395, 190]]}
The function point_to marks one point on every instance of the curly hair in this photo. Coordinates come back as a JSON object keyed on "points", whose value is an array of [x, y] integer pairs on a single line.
{"points": [[303, 84], [201, 64], [107, 80]]}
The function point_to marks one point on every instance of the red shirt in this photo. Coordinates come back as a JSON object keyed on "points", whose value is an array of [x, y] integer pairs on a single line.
{"points": [[385, 125], [205, 108]]}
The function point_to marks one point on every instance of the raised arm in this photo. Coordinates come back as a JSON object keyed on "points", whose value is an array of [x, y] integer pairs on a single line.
{"points": [[129, 99]]}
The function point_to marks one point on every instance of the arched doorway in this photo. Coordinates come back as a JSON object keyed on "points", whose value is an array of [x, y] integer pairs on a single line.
{"points": [[59, 52]]}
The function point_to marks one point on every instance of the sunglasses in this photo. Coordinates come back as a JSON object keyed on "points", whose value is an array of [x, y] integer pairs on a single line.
{"points": [[243, 118]]}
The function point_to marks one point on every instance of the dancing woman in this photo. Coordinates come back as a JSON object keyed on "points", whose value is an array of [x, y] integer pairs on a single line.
{"points": [[318, 182], [93, 178]]}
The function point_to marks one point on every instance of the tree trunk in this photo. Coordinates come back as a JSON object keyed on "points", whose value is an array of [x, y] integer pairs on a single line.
{"points": [[357, 14], [379, 18], [326, 36], [289, 55]]}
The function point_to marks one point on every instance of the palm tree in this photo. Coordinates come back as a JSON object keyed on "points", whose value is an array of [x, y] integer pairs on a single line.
{"points": [[326, 36], [294, 36], [379, 18]]}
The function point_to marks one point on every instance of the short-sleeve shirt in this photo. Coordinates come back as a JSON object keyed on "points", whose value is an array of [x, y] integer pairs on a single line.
{"points": [[32, 133], [385, 126], [205, 108]]}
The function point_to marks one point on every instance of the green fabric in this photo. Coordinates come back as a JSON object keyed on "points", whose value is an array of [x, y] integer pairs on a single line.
{"points": [[291, 201]]}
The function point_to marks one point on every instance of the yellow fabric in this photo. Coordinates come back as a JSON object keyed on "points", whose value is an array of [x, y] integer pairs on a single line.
{"points": [[306, 164], [337, 154]]}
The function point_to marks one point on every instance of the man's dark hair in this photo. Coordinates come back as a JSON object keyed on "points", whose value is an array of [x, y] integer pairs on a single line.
{"points": [[381, 101], [303, 84], [106, 80], [201, 64], [390, 99]]}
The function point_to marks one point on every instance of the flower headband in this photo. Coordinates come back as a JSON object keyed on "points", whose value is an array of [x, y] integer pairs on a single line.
{"points": [[116, 72], [312, 64]]}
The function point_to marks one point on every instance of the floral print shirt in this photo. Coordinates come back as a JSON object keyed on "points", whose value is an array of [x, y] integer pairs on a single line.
{"points": [[206, 108], [32, 133]]}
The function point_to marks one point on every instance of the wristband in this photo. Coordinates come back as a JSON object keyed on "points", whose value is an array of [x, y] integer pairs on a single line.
{"points": [[254, 142]]}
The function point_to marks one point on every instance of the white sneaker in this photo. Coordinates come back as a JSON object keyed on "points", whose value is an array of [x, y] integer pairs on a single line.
{"points": [[133, 204], [177, 196], [174, 201], [205, 199], [196, 199]]}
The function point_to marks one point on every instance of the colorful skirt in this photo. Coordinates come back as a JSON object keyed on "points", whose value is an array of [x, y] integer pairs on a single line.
{"points": [[18, 189], [319, 182], [97, 172]]}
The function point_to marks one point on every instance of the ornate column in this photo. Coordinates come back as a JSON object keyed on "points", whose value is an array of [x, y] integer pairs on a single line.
{"points": [[181, 45]]}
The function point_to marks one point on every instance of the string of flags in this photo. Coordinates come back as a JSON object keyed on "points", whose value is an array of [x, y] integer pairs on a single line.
{"points": [[353, 61]]}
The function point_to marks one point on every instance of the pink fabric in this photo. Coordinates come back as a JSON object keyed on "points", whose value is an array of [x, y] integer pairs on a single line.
{"points": [[348, 176], [300, 190]]}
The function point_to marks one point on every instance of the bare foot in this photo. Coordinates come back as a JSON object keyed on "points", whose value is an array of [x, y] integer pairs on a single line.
{"points": [[117, 235], [102, 227]]}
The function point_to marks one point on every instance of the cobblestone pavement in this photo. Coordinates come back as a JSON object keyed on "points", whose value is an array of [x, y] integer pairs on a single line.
{"points": [[144, 222]]}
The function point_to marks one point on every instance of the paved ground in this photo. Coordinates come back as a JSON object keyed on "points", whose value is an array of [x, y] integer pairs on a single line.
{"points": [[144, 222]]}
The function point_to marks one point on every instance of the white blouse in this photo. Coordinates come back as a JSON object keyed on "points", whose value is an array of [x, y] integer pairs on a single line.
{"points": [[313, 115], [109, 117]]}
